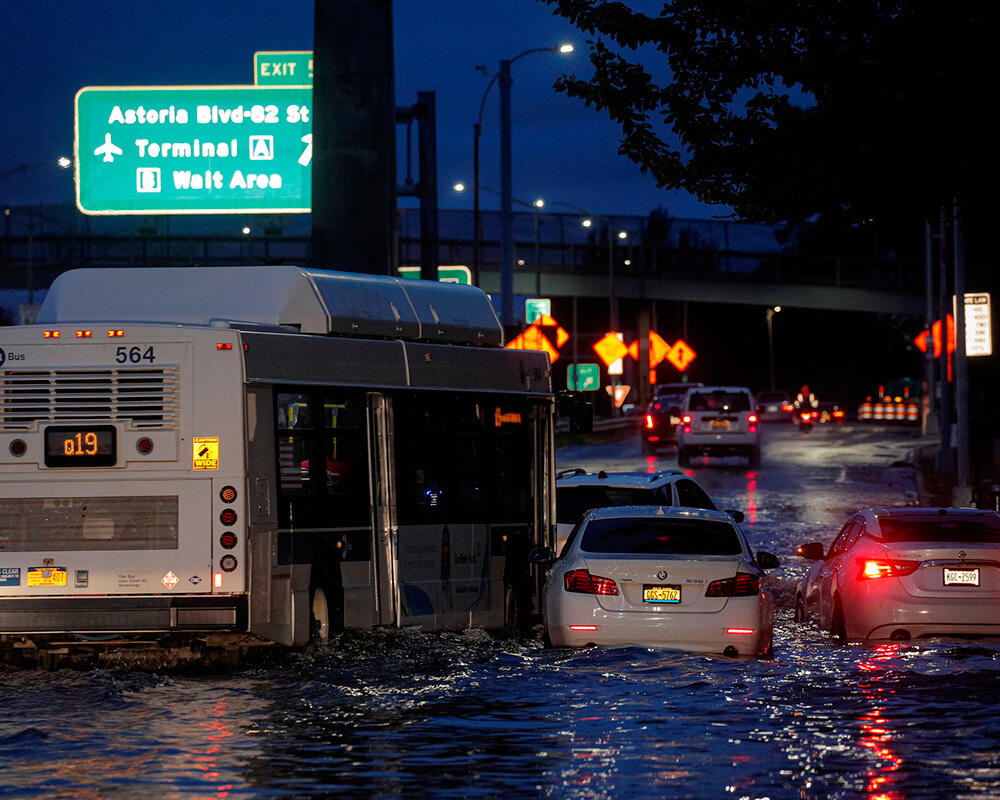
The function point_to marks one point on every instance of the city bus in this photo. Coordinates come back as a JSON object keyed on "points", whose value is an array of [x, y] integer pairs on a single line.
{"points": [[267, 454]]}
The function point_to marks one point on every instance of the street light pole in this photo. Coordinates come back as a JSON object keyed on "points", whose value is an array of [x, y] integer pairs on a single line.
{"points": [[770, 339], [538, 204], [506, 190]]}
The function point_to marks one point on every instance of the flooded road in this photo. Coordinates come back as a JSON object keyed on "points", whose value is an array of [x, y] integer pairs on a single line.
{"points": [[405, 713]]}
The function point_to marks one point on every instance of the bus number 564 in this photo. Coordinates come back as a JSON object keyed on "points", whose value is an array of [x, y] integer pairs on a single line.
{"points": [[134, 355]]}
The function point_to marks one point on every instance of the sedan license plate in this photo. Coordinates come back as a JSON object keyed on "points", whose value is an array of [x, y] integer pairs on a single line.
{"points": [[720, 424], [961, 577], [661, 594]]}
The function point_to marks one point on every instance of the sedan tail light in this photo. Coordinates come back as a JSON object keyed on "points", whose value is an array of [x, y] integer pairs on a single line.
{"points": [[582, 582], [742, 585], [787, 407], [649, 420], [873, 568], [686, 419], [752, 419]]}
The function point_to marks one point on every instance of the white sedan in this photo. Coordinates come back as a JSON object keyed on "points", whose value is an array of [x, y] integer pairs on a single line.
{"points": [[905, 573], [676, 577]]}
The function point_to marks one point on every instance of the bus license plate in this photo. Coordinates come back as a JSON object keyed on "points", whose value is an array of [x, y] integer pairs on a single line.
{"points": [[961, 577], [661, 594], [47, 576]]}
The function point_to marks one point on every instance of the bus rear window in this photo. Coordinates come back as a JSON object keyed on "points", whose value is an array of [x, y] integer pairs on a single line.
{"points": [[940, 530]]}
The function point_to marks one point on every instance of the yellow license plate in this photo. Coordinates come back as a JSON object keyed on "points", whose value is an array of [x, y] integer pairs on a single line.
{"points": [[47, 576], [661, 594], [720, 424]]}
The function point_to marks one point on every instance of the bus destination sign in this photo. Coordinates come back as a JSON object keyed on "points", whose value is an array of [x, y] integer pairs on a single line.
{"points": [[193, 149]]}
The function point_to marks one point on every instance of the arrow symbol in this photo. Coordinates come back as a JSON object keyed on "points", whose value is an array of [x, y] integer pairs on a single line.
{"points": [[307, 154]]}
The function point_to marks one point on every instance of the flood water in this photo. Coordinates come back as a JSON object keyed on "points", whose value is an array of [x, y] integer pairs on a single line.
{"points": [[406, 713]]}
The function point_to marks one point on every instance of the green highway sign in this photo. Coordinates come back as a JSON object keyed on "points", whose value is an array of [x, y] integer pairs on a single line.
{"points": [[283, 68], [535, 307], [583, 377], [193, 149], [450, 274]]}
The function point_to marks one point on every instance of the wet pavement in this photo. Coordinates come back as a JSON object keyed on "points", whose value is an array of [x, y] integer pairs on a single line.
{"points": [[407, 713]]}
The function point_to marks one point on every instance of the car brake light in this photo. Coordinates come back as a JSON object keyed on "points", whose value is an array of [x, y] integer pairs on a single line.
{"points": [[656, 406], [582, 582], [686, 419], [649, 420], [744, 631], [838, 414], [872, 568], [752, 429], [742, 585], [787, 407], [752, 419]]}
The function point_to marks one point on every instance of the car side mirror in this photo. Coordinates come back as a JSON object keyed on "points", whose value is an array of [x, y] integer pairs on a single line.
{"points": [[767, 560], [811, 552], [541, 555], [736, 515]]}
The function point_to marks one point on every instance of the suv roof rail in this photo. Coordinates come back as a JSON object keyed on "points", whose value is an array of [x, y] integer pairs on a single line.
{"points": [[663, 473], [564, 473]]}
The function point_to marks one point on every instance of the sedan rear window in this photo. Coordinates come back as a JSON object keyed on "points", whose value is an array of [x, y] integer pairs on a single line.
{"points": [[572, 502], [661, 537], [940, 530], [719, 401]]}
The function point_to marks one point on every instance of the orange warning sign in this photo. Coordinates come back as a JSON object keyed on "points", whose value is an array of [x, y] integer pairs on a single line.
{"points": [[681, 355], [610, 348], [658, 349]]}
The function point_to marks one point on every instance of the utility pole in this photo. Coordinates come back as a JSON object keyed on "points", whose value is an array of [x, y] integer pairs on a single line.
{"points": [[963, 485], [354, 137], [945, 457]]}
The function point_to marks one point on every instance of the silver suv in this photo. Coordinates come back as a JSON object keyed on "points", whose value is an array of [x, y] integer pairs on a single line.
{"points": [[718, 420], [578, 491]]}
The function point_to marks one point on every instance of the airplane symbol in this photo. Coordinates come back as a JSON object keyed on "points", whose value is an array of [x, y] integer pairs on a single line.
{"points": [[108, 149], [307, 154]]}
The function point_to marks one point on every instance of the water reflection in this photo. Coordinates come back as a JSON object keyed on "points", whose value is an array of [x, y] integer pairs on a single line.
{"points": [[877, 734]]}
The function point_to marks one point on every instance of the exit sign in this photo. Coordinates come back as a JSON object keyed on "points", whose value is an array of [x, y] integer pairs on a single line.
{"points": [[193, 149], [446, 274], [283, 68]]}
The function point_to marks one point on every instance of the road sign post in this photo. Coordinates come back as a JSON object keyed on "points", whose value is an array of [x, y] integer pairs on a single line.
{"points": [[193, 149]]}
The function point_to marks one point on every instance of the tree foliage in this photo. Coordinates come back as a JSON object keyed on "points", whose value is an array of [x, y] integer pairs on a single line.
{"points": [[853, 109]]}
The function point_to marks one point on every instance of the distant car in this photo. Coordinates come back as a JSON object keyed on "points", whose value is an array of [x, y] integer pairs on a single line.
{"points": [[828, 411], [775, 407], [906, 573], [659, 424], [579, 491], [718, 420], [677, 577]]}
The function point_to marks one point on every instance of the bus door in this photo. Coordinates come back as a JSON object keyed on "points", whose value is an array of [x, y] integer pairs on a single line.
{"points": [[384, 530]]}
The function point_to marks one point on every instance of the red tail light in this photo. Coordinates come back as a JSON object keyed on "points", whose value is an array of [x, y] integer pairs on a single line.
{"points": [[787, 407], [873, 568], [752, 419], [649, 420], [582, 582], [838, 414], [686, 419], [742, 585]]}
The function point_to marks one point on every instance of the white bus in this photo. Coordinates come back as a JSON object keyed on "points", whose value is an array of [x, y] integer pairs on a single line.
{"points": [[267, 454]]}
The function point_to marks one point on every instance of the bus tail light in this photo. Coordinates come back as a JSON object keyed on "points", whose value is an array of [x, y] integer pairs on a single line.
{"points": [[144, 446], [740, 631], [84, 334], [18, 447], [51, 334], [227, 517], [218, 580], [228, 540], [583, 627], [228, 562], [228, 494]]}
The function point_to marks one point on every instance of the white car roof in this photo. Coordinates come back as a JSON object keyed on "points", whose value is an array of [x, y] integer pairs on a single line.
{"points": [[710, 389], [620, 480], [671, 512]]}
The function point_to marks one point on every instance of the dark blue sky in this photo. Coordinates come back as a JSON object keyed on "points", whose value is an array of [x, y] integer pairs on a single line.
{"points": [[562, 150]]}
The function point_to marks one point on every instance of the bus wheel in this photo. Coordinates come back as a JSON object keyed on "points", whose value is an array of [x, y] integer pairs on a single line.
{"points": [[514, 616], [319, 615]]}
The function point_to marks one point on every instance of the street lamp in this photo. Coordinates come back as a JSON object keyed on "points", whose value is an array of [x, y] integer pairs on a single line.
{"points": [[506, 198], [539, 204], [588, 222], [770, 339]]}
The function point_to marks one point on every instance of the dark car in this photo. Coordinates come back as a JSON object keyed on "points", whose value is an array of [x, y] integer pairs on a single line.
{"points": [[659, 423]]}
